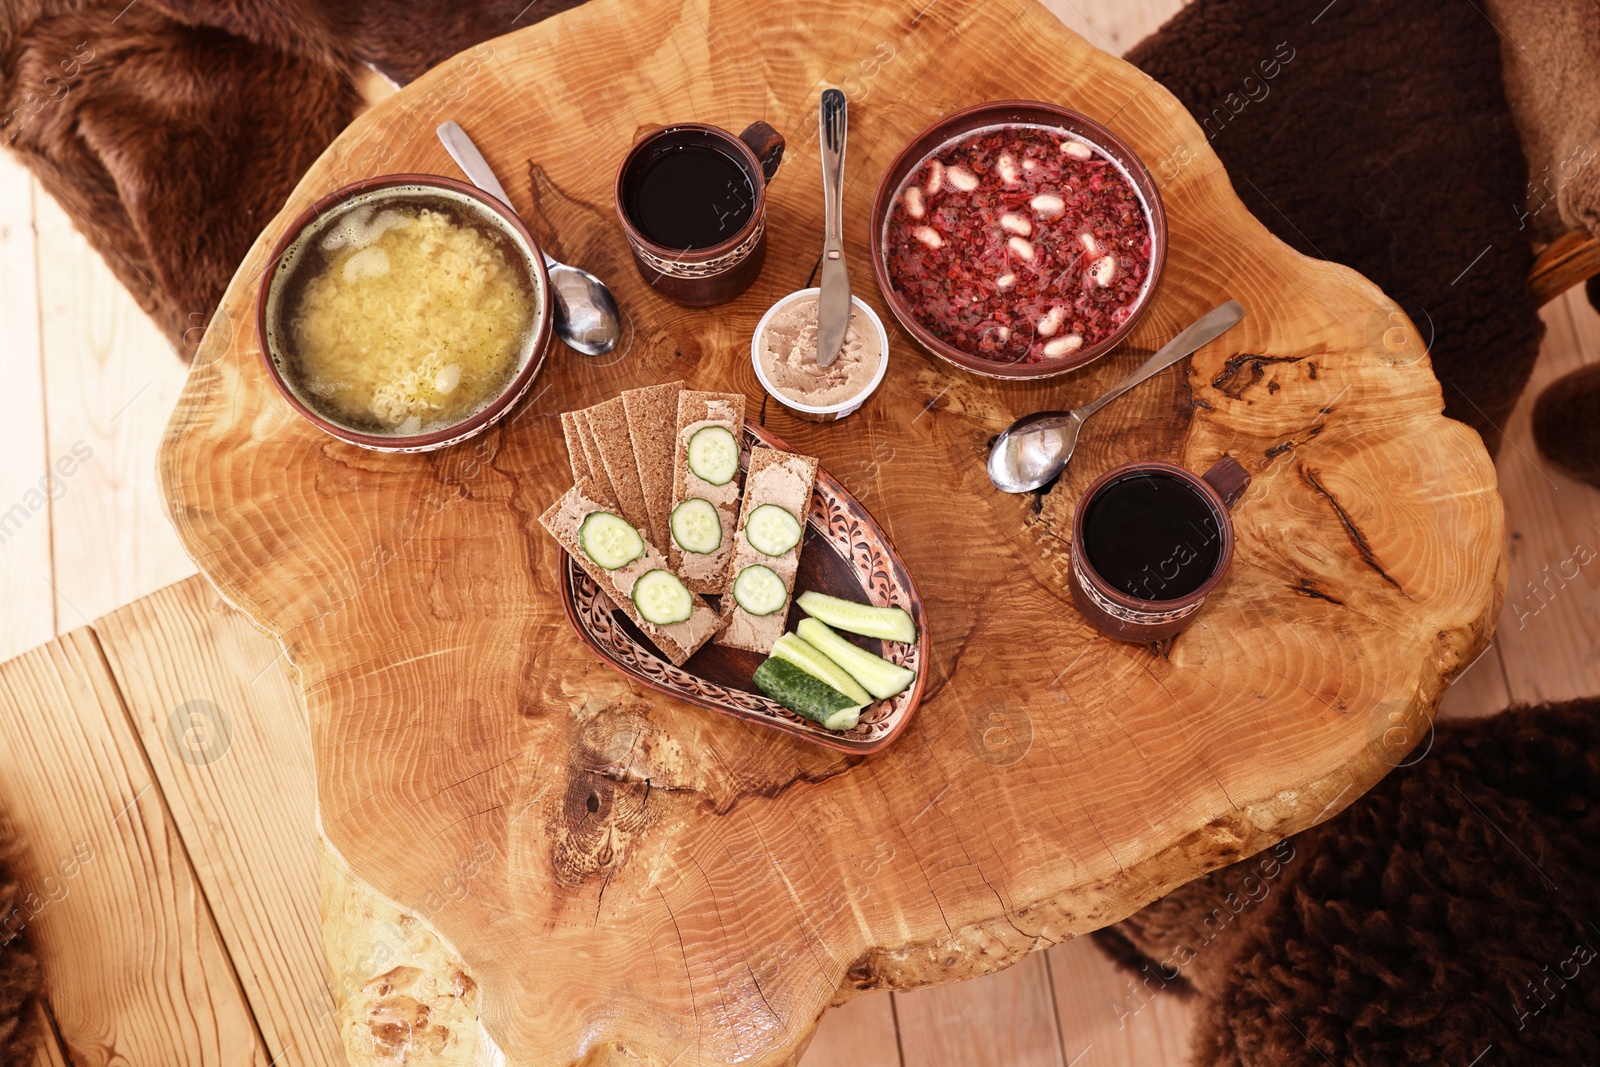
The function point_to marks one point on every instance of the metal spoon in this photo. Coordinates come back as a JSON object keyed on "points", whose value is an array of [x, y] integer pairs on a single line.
{"points": [[586, 312], [1037, 447]]}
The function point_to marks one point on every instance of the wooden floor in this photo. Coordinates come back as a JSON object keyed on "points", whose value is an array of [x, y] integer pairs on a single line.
{"points": [[175, 900]]}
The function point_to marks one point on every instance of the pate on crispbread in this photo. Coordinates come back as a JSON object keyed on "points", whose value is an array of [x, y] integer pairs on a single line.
{"points": [[677, 641], [706, 572]]}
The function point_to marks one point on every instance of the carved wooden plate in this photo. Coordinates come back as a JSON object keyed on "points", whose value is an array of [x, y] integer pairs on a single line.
{"points": [[845, 553]]}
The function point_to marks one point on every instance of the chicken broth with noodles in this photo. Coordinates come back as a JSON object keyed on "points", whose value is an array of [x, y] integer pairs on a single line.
{"points": [[405, 315]]}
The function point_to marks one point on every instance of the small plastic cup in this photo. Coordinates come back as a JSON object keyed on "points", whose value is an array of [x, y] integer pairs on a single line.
{"points": [[832, 412]]}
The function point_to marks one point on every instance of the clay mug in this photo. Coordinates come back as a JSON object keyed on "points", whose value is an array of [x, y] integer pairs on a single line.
{"points": [[1149, 542], [729, 217]]}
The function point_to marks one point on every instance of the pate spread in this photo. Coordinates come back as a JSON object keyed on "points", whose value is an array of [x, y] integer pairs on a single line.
{"points": [[788, 354]]}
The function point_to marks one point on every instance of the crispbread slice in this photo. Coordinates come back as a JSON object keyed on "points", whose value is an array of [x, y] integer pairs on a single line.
{"points": [[652, 416], [677, 643], [696, 407], [608, 423], [591, 455], [575, 454], [758, 633]]}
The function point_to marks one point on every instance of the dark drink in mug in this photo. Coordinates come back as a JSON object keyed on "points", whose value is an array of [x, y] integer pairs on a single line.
{"points": [[692, 201], [1149, 543], [1152, 536], [690, 196]]}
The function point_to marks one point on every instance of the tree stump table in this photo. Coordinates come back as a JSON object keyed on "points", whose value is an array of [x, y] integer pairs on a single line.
{"points": [[527, 857]]}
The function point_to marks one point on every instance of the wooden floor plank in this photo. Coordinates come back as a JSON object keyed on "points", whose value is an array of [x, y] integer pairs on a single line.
{"points": [[1583, 344], [134, 969], [1008, 1017], [226, 734], [1107, 1020], [859, 1034], [25, 571], [1549, 630], [111, 380], [1479, 690], [1114, 25]]}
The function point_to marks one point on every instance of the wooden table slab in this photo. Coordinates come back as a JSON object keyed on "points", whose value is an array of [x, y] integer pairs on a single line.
{"points": [[602, 875]]}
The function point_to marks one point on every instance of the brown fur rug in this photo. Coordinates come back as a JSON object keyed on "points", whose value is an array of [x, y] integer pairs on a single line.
{"points": [[1377, 134], [1566, 417], [19, 971], [1450, 911], [1566, 423]]}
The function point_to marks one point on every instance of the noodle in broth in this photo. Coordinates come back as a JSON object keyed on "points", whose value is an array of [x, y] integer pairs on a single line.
{"points": [[412, 322]]}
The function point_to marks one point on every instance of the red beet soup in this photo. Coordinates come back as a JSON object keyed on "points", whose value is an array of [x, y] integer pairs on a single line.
{"points": [[1018, 244]]}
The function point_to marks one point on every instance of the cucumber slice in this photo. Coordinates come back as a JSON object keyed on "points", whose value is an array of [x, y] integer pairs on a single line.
{"points": [[890, 624], [772, 530], [661, 598], [696, 526], [805, 695], [609, 540], [877, 675], [820, 667], [843, 719], [759, 590], [714, 454]]}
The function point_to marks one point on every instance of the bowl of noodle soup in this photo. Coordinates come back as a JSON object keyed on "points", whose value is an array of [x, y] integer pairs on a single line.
{"points": [[405, 313]]}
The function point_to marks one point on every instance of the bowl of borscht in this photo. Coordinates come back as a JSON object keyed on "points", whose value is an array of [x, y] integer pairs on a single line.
{"points": [[1018, 239]]}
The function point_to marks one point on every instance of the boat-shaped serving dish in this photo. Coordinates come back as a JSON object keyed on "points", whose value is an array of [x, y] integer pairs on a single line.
{"points": [[845, 554]]}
